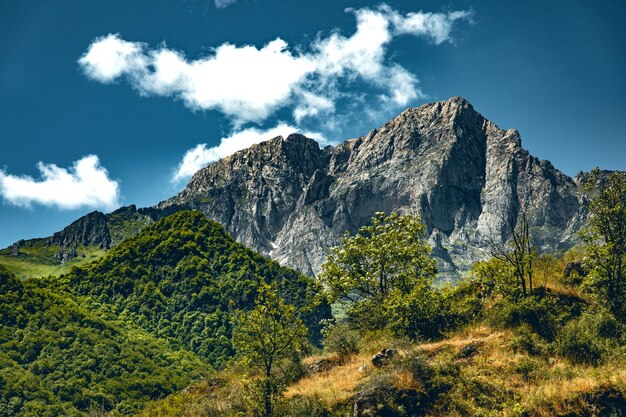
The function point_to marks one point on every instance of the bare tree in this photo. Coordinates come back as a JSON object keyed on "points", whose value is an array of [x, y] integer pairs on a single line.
{"points": [[518, 253]]}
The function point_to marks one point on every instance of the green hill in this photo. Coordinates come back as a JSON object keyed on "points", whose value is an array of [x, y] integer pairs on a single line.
{"points": [[57, 358], [145, 320], [180, 279]]}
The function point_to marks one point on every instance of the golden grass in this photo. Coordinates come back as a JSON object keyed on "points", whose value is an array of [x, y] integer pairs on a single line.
{"points": [[336, 385], [564, 394]]}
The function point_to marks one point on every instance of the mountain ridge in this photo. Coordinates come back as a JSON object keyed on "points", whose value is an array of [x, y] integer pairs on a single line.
{"points": [[291, 200], [466, 177]]}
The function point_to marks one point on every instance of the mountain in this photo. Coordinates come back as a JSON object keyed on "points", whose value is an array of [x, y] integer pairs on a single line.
{"points": [[181, 278], [290, 200], [468, 179], [149, 317], [84, 240]]}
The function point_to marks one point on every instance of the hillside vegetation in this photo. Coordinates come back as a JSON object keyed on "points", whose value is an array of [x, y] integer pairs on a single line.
{"points": [[523, 335], [181, 278], [58, 358], [181, 304], [148, 318]]}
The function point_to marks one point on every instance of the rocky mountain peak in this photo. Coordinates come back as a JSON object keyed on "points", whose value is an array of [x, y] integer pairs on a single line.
{"points": [[468, 179]]}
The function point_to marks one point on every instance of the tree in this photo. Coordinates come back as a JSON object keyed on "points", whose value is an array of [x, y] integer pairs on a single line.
{"points": [[379, 265], [518, 254], [267, 334], [605, 236]]}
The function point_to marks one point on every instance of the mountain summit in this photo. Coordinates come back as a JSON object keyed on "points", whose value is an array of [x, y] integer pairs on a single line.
{"points": [[468, 179]]}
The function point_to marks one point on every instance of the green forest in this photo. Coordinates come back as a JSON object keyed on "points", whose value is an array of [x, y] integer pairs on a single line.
{"points": [[142, 322]]}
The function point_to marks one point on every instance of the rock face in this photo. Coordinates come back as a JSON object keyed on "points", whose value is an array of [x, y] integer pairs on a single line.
{"points": [[468, 179], [90, 229], [95, 229]]}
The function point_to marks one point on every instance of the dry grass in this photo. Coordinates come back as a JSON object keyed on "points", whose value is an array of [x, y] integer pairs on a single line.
{"points": [[337, 384], [481, 333], [563, 392], [496, 381]]}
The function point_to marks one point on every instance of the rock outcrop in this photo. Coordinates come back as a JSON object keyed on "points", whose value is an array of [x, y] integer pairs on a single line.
{"points": [[95, 229], [89, 230], [468, 179]]}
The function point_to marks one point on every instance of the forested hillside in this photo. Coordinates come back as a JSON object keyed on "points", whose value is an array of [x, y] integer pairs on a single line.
{"points": [[153, 315], [58, 358]]}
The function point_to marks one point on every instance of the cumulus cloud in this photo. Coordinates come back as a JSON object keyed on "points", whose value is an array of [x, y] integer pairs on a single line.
{"points": [[85, 184], [249, 84], [201, 155], [109, 57]]}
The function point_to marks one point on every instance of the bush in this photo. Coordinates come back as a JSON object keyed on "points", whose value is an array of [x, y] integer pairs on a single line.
{"points": [[340, 339], [380, 396], [541, 314], [526, 341], [529, 368], [465, 301], [588, 339], [422, 313]]}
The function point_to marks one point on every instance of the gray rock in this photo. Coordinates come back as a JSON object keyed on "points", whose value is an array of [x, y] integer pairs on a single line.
{"points": [[383, 357], [469, 350], [90, 229], [467, 178], [15, 248]]}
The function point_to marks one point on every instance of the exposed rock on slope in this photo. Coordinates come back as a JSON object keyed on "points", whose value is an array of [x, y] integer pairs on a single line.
{"points": [[467, 178], [95, 229]]}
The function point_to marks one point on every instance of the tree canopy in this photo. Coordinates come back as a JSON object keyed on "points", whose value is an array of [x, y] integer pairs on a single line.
{"points": [[386, 273], [605, 237], [389, 254], [269, 333]]}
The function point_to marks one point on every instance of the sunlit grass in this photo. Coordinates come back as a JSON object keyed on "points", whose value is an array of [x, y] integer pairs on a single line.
{"points": [[35, 265]]}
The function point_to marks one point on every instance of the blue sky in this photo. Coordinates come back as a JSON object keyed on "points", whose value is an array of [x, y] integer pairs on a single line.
{"points": [[113, 103]]}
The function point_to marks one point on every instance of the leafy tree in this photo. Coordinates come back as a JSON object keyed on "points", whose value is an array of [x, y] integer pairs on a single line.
{"points": [[267, 334], [605, 236], [385, 268], [387, 255]]}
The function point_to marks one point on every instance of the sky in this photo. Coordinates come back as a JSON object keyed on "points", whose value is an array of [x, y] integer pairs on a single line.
{"points": [[104, 104]]}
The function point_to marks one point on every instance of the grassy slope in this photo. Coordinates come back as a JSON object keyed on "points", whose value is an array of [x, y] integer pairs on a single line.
{"points": [[500, 379], [37, 262], [497, 381]]}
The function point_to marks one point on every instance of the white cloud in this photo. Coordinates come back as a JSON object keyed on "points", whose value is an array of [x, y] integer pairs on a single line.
{"points": [[436, 26], [249, 84], [200, 156], [109, 57], [85, 184]]}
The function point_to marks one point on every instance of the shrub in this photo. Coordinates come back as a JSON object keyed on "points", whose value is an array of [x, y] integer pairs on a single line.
{"points": [[588, 339], [540, 313], [465, 301], [340, 339], [526, 341], [380, 396], [529, 368]]}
